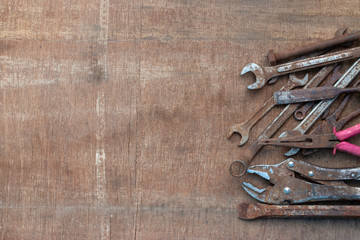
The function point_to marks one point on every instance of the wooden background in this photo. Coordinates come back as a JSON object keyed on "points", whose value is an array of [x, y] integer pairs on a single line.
{"points": [[114, 115]]}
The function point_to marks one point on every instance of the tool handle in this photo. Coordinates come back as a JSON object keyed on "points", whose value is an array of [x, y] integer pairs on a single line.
{"points": [[340, 124], [317, 61], [347, 133], [348, 148], [322, 173]]}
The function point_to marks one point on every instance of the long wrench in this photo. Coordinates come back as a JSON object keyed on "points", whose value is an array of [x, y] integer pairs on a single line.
{"points": [[251, 150], [262, 75], [243, 129], [317, 111]]}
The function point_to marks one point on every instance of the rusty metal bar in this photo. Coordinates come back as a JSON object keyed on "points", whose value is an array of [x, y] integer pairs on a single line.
{"points": [[248, 211], [280, 56]]}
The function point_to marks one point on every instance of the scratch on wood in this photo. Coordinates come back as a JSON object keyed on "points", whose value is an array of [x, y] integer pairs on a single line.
{"points": [[100, 110]]}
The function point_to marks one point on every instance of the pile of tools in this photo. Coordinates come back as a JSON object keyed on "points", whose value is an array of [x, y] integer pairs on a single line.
{"points": [[294, 182]]}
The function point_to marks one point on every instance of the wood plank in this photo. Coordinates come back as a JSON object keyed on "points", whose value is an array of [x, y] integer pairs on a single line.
{"points": [[114, 116]]}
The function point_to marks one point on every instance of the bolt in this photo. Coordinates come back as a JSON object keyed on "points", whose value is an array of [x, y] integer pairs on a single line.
{"points": [[311, 174], [291, 164], [287, 190]]}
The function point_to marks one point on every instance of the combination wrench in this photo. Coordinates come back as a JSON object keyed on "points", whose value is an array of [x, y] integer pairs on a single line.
{"points": [[243, 129], [264, 74], [251, 150], [321, 107]]}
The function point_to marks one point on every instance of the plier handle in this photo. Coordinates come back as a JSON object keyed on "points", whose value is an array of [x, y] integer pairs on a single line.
{"points": [[334, 140]]}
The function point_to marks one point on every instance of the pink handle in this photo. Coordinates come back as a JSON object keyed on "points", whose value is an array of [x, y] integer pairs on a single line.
{"points": [[347, 133], [348, 148]]}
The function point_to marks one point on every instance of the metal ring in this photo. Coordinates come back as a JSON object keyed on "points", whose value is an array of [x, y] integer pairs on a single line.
{"points": [[243, 169], [299, 115]]}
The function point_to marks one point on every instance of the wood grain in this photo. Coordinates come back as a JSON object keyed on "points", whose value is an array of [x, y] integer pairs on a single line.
{"points": [[114, 115]]}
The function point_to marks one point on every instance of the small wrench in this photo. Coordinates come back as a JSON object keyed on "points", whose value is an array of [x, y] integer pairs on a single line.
{"points": [[250, 151], [264, 74], [243, 129], [300, 113], [317, 111]]}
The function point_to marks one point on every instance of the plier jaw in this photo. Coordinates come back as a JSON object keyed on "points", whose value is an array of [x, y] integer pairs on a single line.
{"points": [[272, 173]]}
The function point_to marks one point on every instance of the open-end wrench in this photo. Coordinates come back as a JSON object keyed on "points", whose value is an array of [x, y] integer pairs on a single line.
{"points": [[318, 110], [300, 113], [251, 150], [243, 129], [262, 75]]}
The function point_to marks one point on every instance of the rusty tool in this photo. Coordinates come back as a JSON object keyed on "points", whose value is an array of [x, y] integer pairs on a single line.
{"points": [[262, 75], [243, 129], [251, 150], [316, 184], [334, 140], [319, 109], [331, 121], [280, 56], [300, 113], [249, 211], [313, 94]]}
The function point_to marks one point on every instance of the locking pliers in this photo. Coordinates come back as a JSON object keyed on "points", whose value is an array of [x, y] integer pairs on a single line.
{"points": [[326, 184]]}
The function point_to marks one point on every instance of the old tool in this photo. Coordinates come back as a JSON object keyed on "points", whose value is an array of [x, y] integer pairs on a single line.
{"points": [[280, 56], [262, 75], [309, 95], [329, 122], [333, 120], [319, 109], [251, 150], [315, 185], [334, 140], [249, 211], [243, 129], [300, 113]]}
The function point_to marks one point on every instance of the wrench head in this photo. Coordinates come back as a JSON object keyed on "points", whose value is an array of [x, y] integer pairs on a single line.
{"points": [[259, 75], [299, 82], [241, 130]]}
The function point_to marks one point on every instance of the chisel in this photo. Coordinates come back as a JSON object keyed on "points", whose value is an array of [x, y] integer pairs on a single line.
{"points": [[311, 94]]}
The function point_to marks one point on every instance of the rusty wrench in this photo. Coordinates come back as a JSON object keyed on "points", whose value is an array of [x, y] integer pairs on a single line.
{"points": [[250, 151], [243, 129], [317, 111], [264, 74]]}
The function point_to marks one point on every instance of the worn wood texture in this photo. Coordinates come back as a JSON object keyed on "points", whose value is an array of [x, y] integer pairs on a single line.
{"points": [[114, 115]]}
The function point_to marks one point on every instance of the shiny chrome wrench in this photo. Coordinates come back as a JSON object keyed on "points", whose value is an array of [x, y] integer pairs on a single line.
{"points": [[264, 74], [321, 107], [243, 129]]}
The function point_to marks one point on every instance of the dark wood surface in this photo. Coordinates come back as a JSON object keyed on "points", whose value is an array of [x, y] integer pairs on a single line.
{"points": [[114, 115]]}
